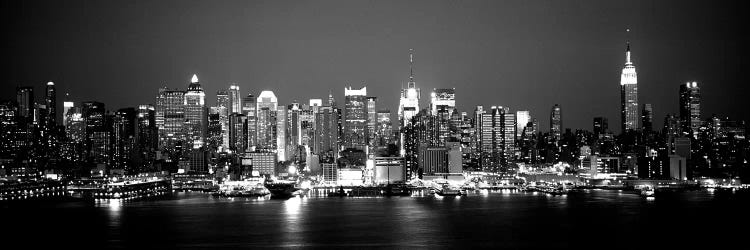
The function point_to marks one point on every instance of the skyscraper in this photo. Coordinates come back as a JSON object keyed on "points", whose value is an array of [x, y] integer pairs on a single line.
{"points": [[409, 103], [66, 107], [124, 130], [372, 120], [170, 117], [146, 137], [492, 136], [196, 115], [647, 117], [237, 132], [555, 122], [509, 136], [75, 128], [522, 118], [601, 125], [249, 104], [355, 118], [266, 105], [222, 109], [235, 99], [327, 133], [281, 134], [294, 128], [443, 101], [629, 95], [690, 108], [25, 99], [384, 131], [97, 132], [50, 101]]}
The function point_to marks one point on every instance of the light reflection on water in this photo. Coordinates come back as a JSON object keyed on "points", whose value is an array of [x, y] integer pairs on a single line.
{"points": [[507, 217]]}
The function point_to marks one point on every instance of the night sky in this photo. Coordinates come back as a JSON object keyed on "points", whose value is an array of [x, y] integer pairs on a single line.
{"points": [[527, 55]]}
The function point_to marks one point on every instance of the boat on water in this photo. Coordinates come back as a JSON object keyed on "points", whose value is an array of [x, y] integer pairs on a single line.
{"points": [[240, 189], [254, 192], [648, 191], [449, 191], [281, 190]]}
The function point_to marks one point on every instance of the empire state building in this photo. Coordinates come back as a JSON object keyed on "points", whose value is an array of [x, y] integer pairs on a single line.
{"points": [[408, 105], [629, 94]]}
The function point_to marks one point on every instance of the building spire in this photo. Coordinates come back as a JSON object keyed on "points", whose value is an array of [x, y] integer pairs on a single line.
{"points": [[195, 79], [411, 65], [627, 54]]}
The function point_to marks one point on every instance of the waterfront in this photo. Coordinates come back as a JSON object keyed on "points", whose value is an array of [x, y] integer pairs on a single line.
{"points": [[506, 219]]}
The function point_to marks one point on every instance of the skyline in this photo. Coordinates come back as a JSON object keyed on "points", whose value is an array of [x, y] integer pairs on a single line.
{"points": [[520, 81]]}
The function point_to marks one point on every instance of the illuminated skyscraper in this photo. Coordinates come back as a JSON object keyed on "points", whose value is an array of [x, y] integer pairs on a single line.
{"points": [[124, 129], [75, 127], [266, 105], [222, 109], [196, 115], [492, 136], [235, 99], [66, 107], [443, 101], [522, 119], [213, 131], [355, 118], [25, 100], [237, 132], [281, 133], [293, 129], [384, 130], [509, 138], [315, 105], [97, 132], [170, 117], [690, 108], [327, 133], [146, 137], [409, 103], [372, 120], [50, 101], [555, 122], [629, 95], [249, 104]]}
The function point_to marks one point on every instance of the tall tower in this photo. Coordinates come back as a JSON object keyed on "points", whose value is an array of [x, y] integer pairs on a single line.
{"points": [[170, 117], [690, 108], [523, 117], [248, 109], [222, 108], [409, 103], [235, 99], [555, 122], [372, 120], [355, 118], [195, 113], [25, 99], [266, 109], [629, 94], [647, 117], [51, 103], [492, 134]]}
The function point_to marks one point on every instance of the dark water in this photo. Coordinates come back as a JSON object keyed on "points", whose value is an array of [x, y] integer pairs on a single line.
{"points": [[595, 219]]}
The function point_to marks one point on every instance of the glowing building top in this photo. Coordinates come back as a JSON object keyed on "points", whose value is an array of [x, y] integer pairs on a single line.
{"points": [[409, 102], [628, 72]]}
